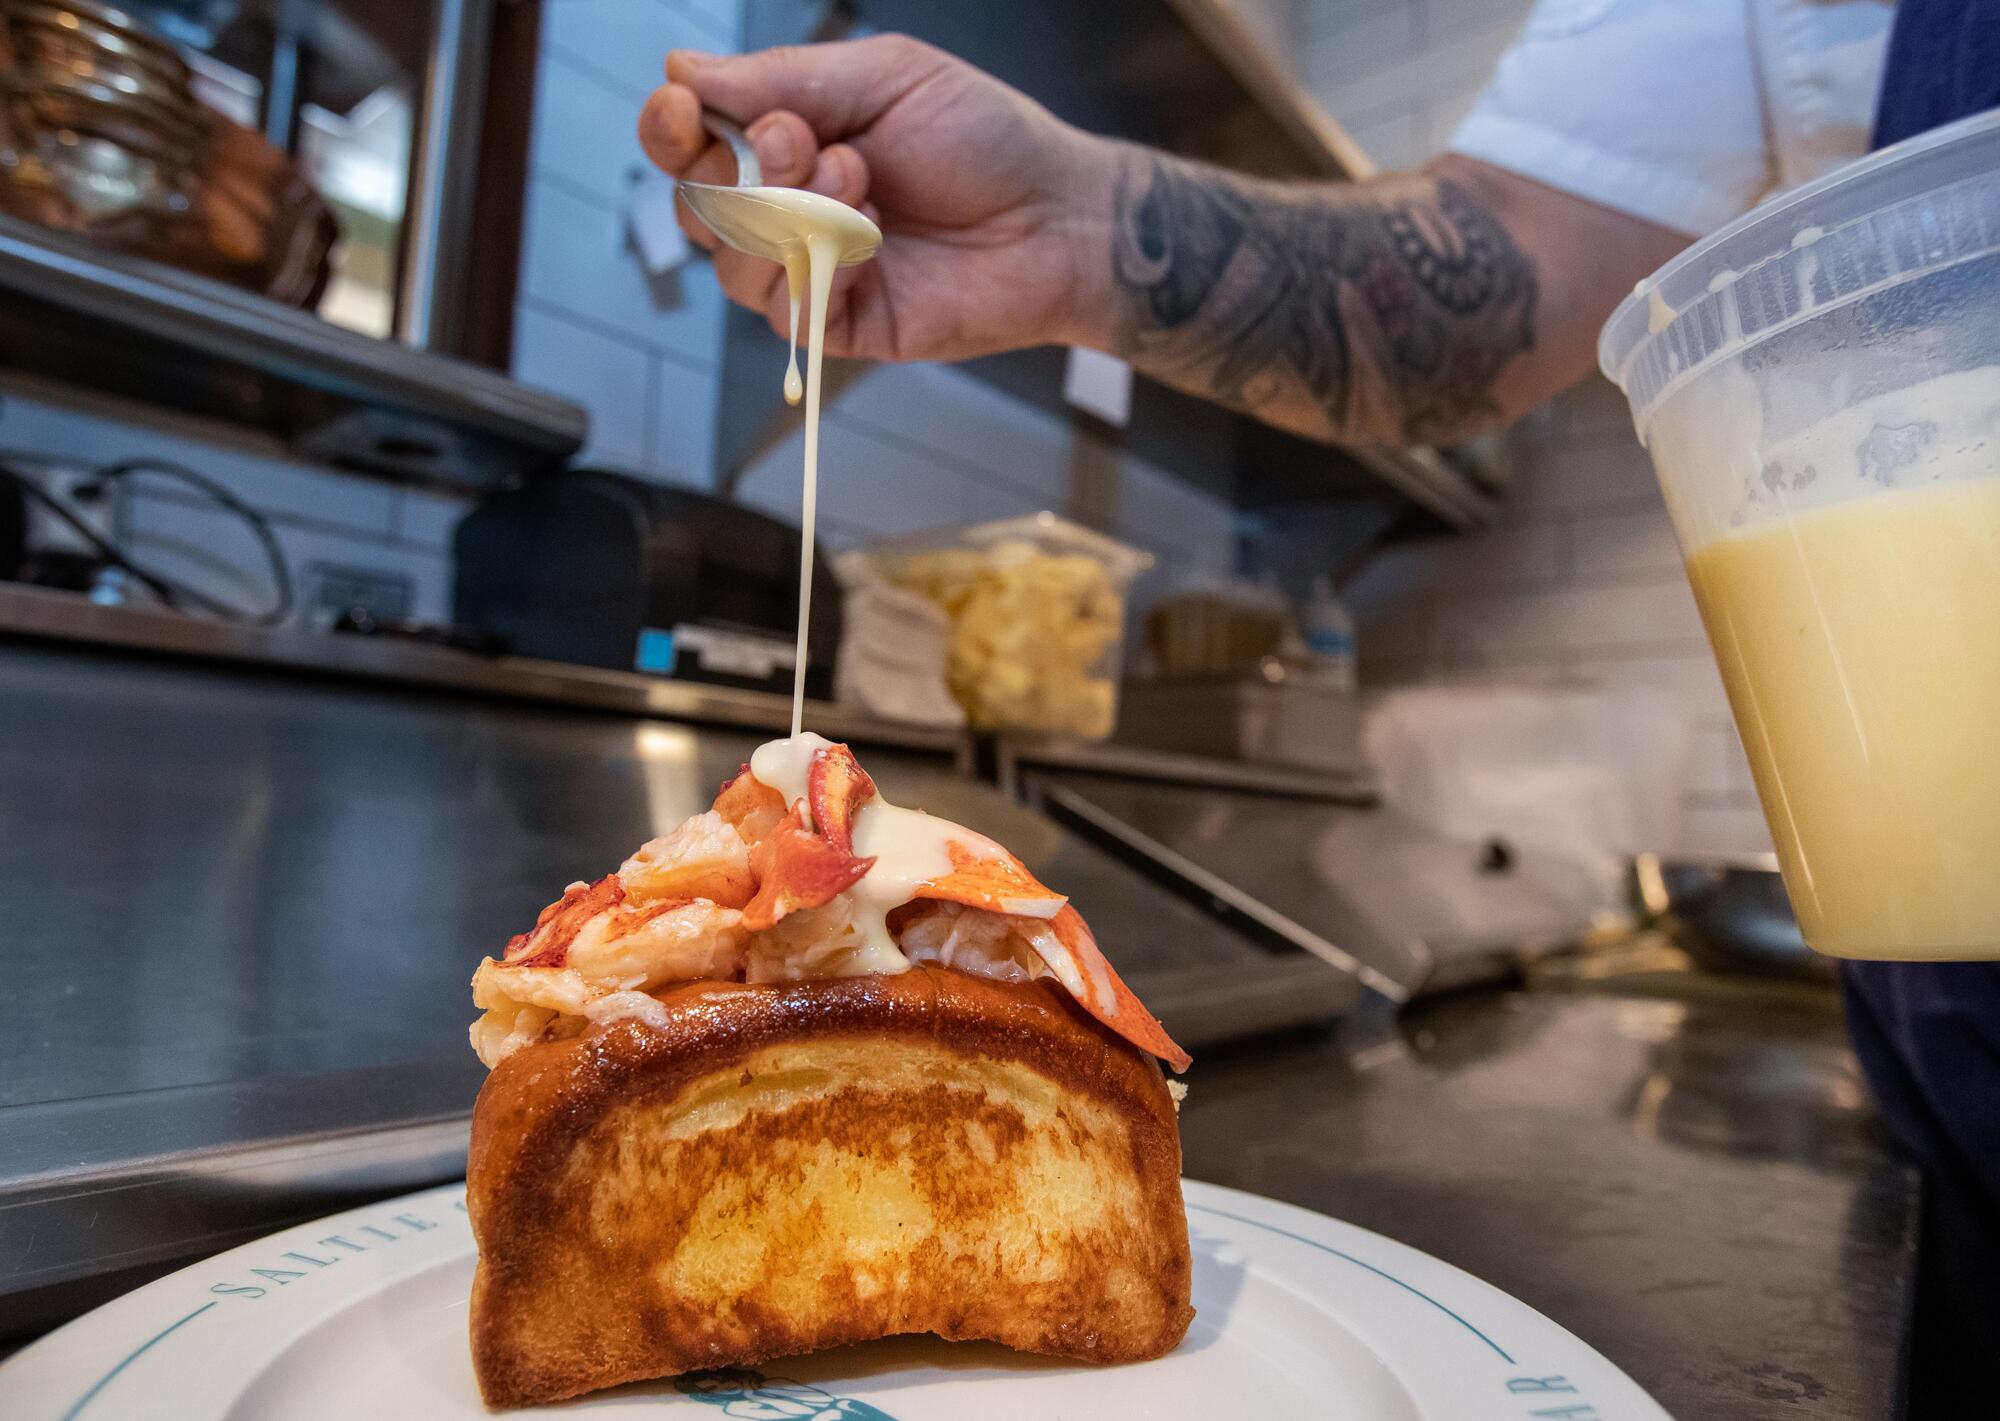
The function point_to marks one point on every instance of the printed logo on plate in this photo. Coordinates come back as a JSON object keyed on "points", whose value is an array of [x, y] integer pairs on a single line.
{"points": [[752, 1396]]}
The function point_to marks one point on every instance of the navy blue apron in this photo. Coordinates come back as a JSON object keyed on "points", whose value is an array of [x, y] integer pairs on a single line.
{"points": [[1928, 1034], [1944, 63]]}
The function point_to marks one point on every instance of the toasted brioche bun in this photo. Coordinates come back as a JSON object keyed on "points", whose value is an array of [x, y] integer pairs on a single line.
{"points": [[788, 1167]]}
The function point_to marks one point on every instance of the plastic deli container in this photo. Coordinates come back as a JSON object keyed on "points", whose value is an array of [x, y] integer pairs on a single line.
{"points": [[1819, 386], [1037, 609]]}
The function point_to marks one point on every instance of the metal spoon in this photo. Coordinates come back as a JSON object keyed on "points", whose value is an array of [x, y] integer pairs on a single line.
{"points": [[740, 214], [749, 172]]}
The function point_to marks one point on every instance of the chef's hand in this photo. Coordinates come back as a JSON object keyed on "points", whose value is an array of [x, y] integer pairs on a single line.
{"points": [[996, 213]]}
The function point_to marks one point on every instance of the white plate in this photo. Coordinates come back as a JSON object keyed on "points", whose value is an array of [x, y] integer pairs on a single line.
{"points": [[362, 1315]]}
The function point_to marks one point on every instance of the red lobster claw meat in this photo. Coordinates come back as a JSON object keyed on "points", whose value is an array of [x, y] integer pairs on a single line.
{"points": [[1105, 995], [797, 869], [836, 787], [1003, 885], [999, 883]]}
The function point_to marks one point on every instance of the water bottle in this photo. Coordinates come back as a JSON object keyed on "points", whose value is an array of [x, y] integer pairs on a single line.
{"points": [[1328, 627]]}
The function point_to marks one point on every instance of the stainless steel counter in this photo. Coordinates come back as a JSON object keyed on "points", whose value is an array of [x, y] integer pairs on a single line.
{"points": [[29, 613], [243, 905], [1018, 759], [1255, 857], [1693, 1186]]}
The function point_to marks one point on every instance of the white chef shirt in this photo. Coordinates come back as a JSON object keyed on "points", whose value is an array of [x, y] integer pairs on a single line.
{"points": [[1683, 112]]}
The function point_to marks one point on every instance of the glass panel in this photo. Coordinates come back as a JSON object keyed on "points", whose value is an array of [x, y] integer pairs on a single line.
{"points": [[263, 142], [360, 164]]}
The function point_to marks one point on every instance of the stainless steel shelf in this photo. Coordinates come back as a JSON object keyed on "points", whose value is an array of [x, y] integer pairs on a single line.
{"points": [[101, 320], [1016, 754]]}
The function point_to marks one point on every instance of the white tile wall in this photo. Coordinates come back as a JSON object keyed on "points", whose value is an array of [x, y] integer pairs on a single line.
{"points": [[319, 516], [1622, 543], [1736, 827], [994, 500], [964, 420], [1582, 582], [640, 352], [608, 375], [1686, 676], [626, 41], [1181, 526], [585, 129], [1656, 614], [213, 552], [681, 442], [1719, 766], [577, 260], [88, 432], [1516, 559], [866, 482], [930, 445], [1582, 579], [1563, 474], [428, 519]]}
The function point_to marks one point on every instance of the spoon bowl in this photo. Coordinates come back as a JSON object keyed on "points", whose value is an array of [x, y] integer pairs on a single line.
{"points": [[772, 222]]}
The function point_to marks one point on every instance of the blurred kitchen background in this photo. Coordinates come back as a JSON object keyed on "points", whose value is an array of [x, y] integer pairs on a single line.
{"points": [[1562, 568], [400, 524]]}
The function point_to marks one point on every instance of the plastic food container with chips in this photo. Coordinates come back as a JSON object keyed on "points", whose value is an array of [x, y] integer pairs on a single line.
{"points": [[1037, 610]]}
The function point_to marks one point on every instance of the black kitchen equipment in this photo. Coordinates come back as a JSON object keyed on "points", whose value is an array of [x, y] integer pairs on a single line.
{"points": [[604, 569], [1730, 914], [13, 528]]}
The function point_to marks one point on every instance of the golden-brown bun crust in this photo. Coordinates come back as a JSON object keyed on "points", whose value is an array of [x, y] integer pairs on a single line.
{"points": [[789, 1167]]}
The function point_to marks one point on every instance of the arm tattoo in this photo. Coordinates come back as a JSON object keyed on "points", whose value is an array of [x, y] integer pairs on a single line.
{"points": [[1381, 315]]}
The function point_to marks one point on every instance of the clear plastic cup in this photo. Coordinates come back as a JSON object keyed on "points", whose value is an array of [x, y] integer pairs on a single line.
{"points": [[1819, 386]]}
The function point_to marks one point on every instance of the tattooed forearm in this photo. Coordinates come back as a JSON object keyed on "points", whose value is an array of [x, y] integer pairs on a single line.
{"points": [[1377, 314]]}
